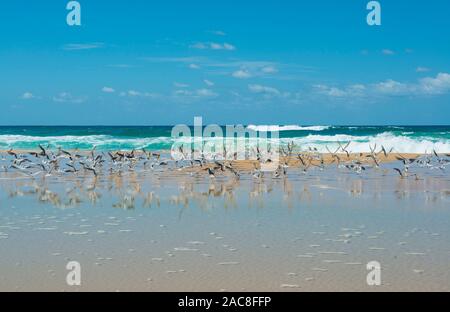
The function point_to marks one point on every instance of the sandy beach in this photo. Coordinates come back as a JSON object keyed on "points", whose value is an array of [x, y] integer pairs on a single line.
{"points": [[179, 229]]}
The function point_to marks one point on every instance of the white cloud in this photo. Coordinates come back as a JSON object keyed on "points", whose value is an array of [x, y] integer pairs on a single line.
{"points": [[425, 86], [356, 90], [82, 46], [194, 66], [217, 32], [213, 46], [269, 69], [438, 85], [200, 46], [66, 97], [108, 90], [206, 93], [244, 69], [208, 83], [183, 92], [194, 94], [180, 85], [330, 91], [255, 88], [225, 46], [392, 87], [254, 65], [27, 96], [422, 69], [387, 52], [192, 59], [134, 93], [242, 74]]}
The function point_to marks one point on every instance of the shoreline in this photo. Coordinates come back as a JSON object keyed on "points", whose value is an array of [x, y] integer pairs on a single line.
{"points": [[314, 159]]}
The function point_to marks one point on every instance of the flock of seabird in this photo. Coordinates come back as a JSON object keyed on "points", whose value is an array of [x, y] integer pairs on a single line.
{"points": [[46, 162]]}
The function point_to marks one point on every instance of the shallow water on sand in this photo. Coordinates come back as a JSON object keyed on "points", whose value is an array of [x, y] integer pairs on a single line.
{"points": [[164, 231]]}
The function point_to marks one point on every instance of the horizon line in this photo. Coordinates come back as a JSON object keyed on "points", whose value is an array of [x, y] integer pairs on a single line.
{"points": [[251, 124]]}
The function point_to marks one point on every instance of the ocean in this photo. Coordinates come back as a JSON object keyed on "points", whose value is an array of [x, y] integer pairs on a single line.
{"points": [[404, 139]]}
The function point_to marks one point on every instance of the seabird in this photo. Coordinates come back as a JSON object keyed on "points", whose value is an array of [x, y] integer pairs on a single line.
{"points": [[73, 168], [301, 160], [43, 152], [12, 153], [91, 169], [401, 173], [210, 172], [344, 149], [385, 152], [406, 161], [61, 151], [377, 164]]}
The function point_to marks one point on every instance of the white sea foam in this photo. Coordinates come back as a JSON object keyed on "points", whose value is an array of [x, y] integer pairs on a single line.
{"points": [[358, 144], [361, 144], [68, 141], [287, 128]]}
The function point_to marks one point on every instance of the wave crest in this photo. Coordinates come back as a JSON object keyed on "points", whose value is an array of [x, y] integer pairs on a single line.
{"points": [[359, 144], [287, 128]]}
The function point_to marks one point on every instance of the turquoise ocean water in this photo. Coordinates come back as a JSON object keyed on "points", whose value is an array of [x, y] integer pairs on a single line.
{"points": [[402, 138]]}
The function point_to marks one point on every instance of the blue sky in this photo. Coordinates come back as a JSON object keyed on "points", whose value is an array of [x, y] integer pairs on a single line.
{"points": [[259, 62]]}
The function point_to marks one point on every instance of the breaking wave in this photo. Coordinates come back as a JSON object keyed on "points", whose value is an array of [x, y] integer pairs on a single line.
{"points": [[287, 128], [401, 142], [361, 144]]}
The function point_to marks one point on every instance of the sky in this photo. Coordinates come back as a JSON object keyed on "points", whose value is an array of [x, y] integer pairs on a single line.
{"points": [[230, 62]]}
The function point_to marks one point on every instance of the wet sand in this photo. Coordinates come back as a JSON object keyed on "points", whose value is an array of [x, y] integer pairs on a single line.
{"points": [[181, 230]]}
